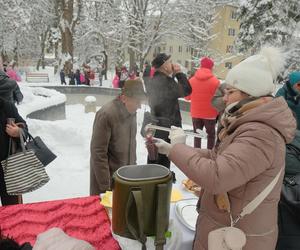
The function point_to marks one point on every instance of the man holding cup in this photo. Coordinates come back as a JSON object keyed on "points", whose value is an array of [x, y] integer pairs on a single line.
{"points": [[167, 85]]}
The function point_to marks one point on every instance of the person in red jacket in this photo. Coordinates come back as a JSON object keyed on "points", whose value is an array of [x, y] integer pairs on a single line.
{"points": [[204, 85]]}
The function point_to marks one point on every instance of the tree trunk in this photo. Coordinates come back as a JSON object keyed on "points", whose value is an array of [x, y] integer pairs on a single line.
{"points": [[3, 59], [105, 63], [67, 36], [131, 59], [16, 52], [41, 60], [56, 66]]}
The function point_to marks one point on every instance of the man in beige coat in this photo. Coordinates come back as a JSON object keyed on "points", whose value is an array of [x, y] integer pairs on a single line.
{"points": [[113, 143], [256, 127]]}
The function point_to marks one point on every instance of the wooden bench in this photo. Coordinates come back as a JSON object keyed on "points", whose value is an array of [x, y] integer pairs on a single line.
{"points": [[37, 77]]}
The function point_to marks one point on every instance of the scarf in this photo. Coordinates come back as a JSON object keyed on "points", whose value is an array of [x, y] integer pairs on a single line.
{"points": [[237, 110]]}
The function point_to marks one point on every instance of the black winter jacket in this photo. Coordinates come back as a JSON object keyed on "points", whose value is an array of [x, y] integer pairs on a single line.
{"points": [[163, 93], [7, 110], [9, 89]]}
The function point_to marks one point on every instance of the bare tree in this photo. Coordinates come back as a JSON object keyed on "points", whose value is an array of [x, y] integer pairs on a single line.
{"points": [[69, 11]]}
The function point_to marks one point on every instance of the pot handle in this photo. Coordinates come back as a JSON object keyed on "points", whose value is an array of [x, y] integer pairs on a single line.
{"points": [[162, 218], [135, 203]]}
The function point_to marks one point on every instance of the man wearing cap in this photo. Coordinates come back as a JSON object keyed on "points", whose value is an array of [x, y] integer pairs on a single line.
{"points": [[113, 142], [204, 85], [291, 93], [163, 93]]}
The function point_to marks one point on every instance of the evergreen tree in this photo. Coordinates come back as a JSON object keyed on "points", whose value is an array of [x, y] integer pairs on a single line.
{"points": [[271, 22], [266, 22]]}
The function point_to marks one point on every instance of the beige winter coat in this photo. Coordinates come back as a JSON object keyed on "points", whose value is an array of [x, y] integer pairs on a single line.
{"points": [[245, 162], [113, 144]]}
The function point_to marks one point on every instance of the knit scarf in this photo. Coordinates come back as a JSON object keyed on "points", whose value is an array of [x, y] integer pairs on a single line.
{"points": [[237, 110]]}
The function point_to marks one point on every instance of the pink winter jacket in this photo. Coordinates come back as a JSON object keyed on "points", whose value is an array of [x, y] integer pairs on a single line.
{"points": [[12, 74], [115, 82], [82, 78], [245, 162]]}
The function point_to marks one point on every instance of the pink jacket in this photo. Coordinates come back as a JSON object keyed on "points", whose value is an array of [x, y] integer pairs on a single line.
{"points": [[115, 81], [152, 71], [82, 78], [204, 85], [12, 74], [245, 162]]}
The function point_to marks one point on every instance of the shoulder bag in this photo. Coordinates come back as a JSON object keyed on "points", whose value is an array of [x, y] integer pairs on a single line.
{"points": [[42, 152], [23, 171]]}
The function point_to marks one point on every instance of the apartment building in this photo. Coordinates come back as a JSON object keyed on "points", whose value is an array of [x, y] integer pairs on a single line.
{"points": [[181, 53], [226, 28]]}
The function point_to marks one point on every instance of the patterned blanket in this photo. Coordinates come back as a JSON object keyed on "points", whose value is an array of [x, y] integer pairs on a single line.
{"points": [[82, 218]]}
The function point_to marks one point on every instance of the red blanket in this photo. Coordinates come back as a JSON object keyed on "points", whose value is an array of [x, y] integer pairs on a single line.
{"points": [[82, 218]]}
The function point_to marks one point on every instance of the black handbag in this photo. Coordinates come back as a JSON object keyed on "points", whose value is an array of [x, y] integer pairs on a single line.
{"points": [[289, 214], [42, 152], [290, 195]]}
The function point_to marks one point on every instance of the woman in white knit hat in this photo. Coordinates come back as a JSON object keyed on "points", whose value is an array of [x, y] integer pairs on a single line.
{"points": [[250, 156]]}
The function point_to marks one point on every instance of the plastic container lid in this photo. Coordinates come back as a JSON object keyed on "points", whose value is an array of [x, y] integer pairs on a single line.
{"points": [[142, 172]]}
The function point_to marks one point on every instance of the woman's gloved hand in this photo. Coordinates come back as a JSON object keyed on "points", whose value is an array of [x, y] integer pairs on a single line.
{"points": [[177, 135], [162, 146]]}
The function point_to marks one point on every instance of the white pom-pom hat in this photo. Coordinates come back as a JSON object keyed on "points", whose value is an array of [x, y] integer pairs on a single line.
{"points": [[256, 75]]}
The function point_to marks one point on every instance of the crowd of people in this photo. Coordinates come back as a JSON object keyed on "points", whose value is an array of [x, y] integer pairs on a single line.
{"points": [[84, 76], [247, 128]]}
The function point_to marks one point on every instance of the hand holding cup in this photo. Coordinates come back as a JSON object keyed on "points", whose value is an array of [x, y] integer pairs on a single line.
{"points": [[151, 147]]}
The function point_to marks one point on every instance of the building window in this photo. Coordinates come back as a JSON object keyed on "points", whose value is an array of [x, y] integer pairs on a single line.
{"points": [[180, 48], [228, 65], [234, 15], [170, 49], [229, 49], [179, 61], [164, 48], [187, 49], [231, 32], [158, 49]]}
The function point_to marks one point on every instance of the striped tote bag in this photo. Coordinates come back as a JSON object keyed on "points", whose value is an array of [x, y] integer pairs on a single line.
{"points": [[23, 172]]}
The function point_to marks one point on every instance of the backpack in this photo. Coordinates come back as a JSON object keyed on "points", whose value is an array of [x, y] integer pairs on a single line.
{"points": [[289, 204], [292, 156]]}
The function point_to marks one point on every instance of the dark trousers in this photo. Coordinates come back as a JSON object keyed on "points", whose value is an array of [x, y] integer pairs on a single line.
{"points": [[121, 84], [209, 125]]}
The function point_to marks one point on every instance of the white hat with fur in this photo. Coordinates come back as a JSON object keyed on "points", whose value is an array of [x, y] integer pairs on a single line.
{"points": [[256, 75]]}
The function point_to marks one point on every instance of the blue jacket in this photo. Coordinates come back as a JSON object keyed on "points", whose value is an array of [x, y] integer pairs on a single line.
{"points": [[292, 98]]}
